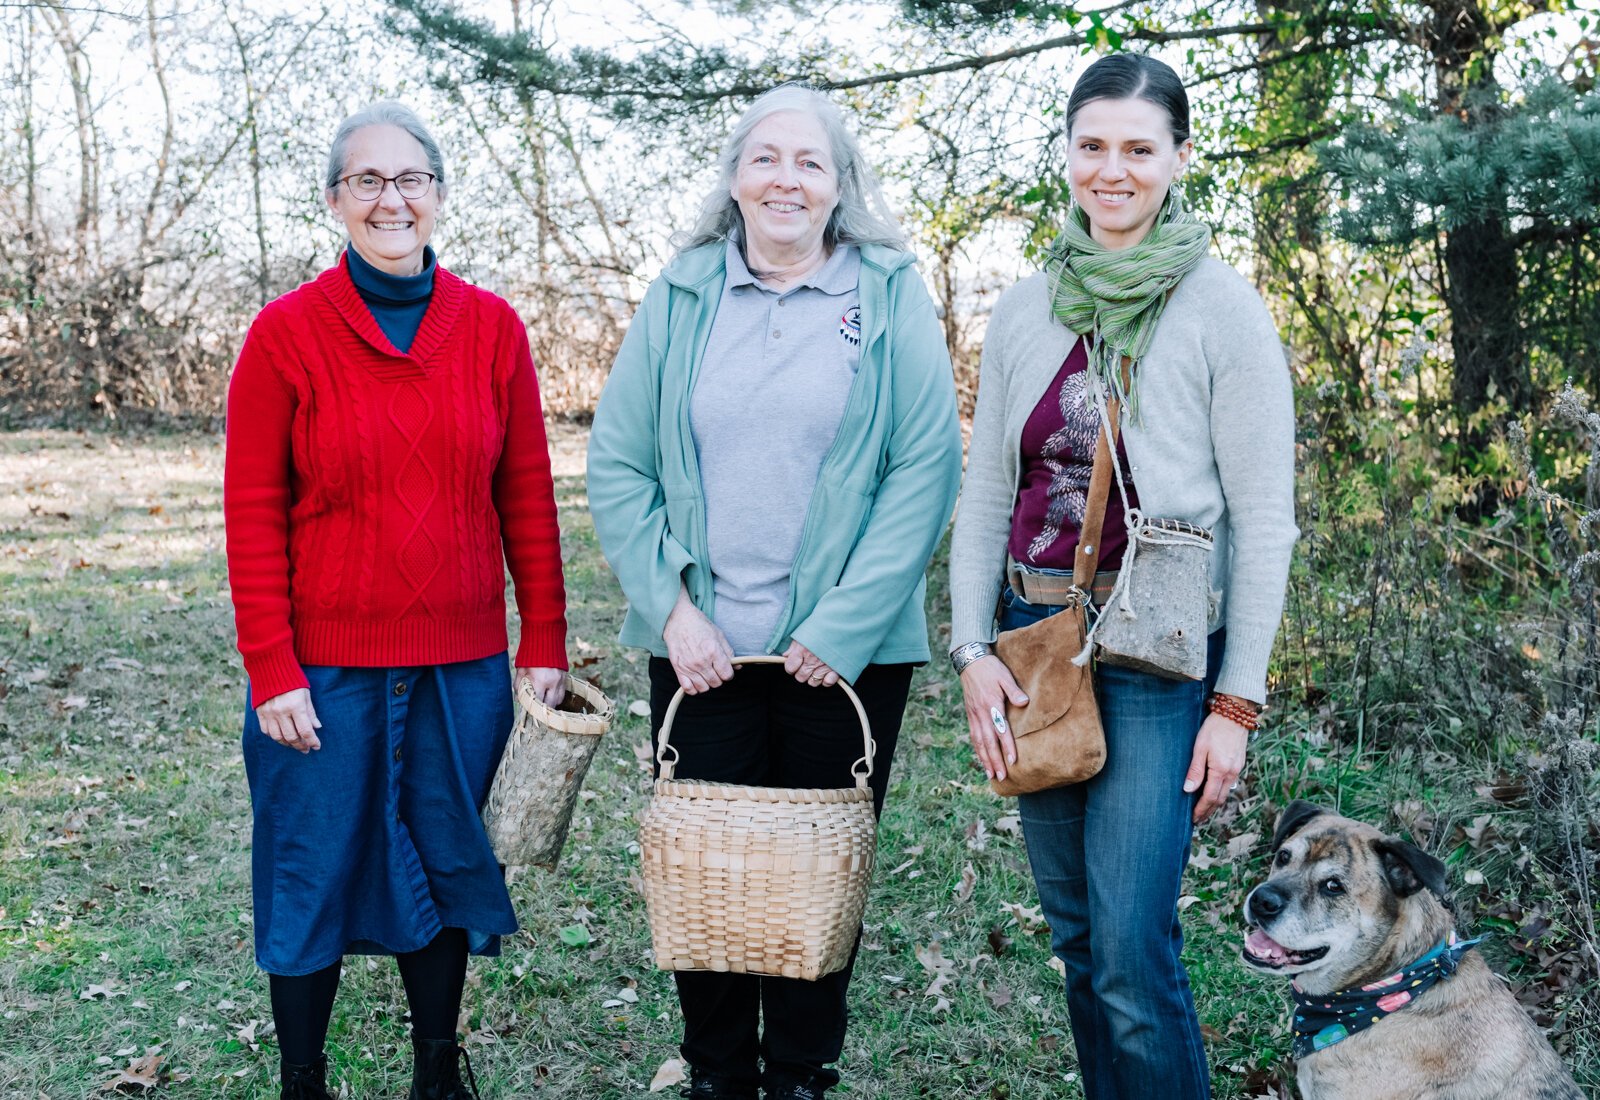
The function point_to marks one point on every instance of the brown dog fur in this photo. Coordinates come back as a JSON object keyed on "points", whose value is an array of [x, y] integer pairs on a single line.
{"points": [[1466, 1038]]}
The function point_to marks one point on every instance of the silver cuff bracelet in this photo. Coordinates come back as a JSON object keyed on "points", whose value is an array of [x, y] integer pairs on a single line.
{"points": [[963, 656]]}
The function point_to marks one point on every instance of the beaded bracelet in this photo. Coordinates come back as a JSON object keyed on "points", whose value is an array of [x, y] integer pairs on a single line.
{"points": [[1235, 711]]}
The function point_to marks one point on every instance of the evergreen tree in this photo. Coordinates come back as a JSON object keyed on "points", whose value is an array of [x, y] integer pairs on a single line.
{"points": [[1506, 187]]}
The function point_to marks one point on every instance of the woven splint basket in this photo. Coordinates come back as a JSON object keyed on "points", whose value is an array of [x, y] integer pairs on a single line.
{"points": [[757, 880], [530, 804]]}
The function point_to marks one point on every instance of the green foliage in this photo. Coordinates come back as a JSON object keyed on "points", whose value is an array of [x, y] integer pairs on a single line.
{"points": [[1421, 174], [991, 14], [675, 80]]}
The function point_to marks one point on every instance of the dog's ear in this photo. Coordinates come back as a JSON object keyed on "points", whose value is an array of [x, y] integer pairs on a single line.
{"points": [[1293, 819], [1409, 869]]}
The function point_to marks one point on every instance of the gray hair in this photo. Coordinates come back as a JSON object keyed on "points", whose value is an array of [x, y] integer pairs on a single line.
{"points": [[387, 112], [862, 215]]}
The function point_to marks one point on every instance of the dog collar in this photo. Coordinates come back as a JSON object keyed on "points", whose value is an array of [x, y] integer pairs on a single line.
{"points": [[1323, 1020]]}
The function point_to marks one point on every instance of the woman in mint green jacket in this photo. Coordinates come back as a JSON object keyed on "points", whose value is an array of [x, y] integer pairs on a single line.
{"points": [[772, 462]]}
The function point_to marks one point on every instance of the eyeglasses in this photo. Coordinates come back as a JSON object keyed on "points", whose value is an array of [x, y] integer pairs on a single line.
{"points": [[367, 186]]}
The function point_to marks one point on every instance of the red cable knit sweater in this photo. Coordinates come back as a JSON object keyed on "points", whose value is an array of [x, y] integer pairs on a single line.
{"points": [[368, 493]]}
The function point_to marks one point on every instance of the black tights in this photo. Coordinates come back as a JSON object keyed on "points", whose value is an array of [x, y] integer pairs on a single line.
{"points": [[433, 976]]}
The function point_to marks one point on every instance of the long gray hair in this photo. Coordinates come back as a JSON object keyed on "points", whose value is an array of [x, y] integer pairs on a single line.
{"points": [[862, 215], [386, 112]]}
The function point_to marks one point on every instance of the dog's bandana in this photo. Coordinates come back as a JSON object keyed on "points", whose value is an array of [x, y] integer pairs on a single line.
{"points": [[1321, 1021]]}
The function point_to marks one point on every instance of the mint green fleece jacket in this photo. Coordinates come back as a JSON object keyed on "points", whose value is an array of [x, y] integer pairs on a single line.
{"points": [[884, 494]]}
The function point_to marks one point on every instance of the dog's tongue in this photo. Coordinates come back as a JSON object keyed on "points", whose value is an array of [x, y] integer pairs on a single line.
{"points": [[1263, 946]]}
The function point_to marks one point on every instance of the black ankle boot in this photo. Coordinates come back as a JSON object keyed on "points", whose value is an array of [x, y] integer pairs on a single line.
{"points": [[809, 1089], [437, 1075], [307, 1082], [714, 1086]]}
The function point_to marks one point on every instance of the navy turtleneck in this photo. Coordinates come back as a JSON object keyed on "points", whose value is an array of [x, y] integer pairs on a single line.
{"points": [[398, 302]]}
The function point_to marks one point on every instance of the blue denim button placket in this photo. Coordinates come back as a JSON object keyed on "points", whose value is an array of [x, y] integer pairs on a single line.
{"points": [[401, 681], [403, 685]]}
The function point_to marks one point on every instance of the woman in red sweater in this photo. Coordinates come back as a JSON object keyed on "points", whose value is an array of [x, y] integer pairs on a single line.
{"points": [[386, 463]]}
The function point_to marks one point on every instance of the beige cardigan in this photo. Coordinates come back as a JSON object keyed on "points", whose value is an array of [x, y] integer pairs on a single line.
{"points": [[1213, 444]]}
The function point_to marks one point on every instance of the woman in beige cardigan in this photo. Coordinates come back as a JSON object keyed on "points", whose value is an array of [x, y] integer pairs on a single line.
{"points": [[1208, 438]]}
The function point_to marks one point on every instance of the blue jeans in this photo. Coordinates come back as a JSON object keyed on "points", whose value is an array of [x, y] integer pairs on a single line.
{"points": [[1108, 856]]}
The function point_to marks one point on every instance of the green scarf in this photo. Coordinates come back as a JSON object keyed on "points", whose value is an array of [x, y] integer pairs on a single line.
{"points": [[1119, 295]]}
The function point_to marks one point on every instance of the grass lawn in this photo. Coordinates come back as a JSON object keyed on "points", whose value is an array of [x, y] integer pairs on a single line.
{"points": [[125, 925]]}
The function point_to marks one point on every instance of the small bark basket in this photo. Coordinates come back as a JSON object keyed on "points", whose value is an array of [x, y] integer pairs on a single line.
{"points": [[757, 880], [530, 804]]}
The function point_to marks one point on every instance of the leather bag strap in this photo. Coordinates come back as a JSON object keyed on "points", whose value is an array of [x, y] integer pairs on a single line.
{"points": [[1086, 558]]}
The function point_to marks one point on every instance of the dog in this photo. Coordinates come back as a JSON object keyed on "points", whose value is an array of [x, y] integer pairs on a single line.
{"points": [[1389, 1003]]}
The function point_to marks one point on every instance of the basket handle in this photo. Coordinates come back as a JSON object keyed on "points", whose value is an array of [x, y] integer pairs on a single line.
{"points": [[861, 769]]}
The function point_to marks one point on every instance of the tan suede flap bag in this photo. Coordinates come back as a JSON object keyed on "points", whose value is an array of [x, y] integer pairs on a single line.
{"points": [[1058, 734]]}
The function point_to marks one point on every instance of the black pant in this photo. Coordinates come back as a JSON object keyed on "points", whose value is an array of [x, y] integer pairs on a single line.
{"points": [[764, 728]]}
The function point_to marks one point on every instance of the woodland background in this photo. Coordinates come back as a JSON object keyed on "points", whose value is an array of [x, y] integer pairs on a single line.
{"points": [[1413, 186]]}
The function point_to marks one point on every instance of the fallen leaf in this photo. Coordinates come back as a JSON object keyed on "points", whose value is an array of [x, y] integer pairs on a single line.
{"points": [[978, 835], [1009, 823], [574, 935], [669, 1073], [1510, 791], [645, 754], [999, 995], [142, 1075], [999, 942], [969, 880], [1481, 832], [639, 708], [943, 970], [1028, 917], [1241, 844]]}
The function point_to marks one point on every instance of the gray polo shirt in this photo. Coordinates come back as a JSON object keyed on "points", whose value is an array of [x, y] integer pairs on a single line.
{"points": [[767, 402]]}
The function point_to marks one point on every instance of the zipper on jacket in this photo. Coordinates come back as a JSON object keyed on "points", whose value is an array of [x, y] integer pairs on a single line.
{"points": [[701, 552]]}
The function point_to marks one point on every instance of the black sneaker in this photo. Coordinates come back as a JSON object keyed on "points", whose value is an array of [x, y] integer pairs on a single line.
{"points": [[810, 1089], [714, 1086]]}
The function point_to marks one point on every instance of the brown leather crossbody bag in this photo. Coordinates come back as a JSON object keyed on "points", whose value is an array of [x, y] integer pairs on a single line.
{"points": [[1058, 734]]}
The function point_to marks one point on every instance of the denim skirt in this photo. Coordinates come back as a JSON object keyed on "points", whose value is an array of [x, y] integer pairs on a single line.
{"points": [[373, 844]]}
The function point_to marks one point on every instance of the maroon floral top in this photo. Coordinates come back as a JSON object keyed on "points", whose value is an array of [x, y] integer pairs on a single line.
{"points": [[1057, 458]]}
